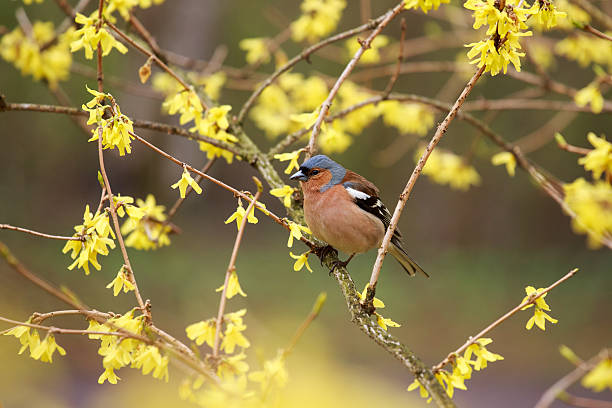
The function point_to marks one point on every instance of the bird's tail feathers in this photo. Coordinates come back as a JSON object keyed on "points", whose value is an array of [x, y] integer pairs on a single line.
{"points": [[407, 263]]}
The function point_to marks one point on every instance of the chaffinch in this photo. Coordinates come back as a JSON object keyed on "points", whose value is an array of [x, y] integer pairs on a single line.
{"points": [[343, 209]]}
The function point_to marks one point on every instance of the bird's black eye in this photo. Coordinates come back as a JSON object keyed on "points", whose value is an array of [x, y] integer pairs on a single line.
{"points": [[314, 172]]}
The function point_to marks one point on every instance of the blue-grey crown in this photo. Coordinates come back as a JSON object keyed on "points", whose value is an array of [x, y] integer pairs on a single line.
{"points": [[338, 172]]}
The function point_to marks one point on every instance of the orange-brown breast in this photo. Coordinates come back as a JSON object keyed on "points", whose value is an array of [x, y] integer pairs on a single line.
{"points": [[335, 219]]}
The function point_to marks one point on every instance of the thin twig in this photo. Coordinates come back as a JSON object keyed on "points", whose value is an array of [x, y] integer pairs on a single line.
{"points": [[146, 35], [472, 339], [316, 309], [73, 331], [596, 13], [142, 124], [40, 234], [592, 30], [324, 109], [574, 149], [441, 130], [231, 267], [221, 184], [528, 104]]}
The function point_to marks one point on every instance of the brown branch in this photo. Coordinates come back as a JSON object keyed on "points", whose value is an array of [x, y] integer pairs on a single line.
{"points": [[582, 402], [304, 55], [231, 267], [324, 109], [574, 149], [541, 136], [472, 339], [592, 30], [142, 124], [53, 329], [441, 130], [527, 104], [40, 234], [221, 184]]}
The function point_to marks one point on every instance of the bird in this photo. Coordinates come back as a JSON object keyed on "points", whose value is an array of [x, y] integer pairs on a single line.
{"points": [[343, 209]]}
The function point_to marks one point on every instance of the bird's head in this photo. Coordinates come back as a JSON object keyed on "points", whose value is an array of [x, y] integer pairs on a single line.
{"points": [[320, 172]]}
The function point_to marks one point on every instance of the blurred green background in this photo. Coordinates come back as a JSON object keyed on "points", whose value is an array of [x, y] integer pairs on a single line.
{"points": [[481, 247]]}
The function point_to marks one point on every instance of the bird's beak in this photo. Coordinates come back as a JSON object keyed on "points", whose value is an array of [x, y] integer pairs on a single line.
{"points": [[299, 175]]}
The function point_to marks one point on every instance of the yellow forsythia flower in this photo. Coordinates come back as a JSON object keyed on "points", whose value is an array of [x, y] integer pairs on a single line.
{"points": [[239, 214], [51, 64], [45, 349], [87, 38], [274, 373], [319, 18], [592, 204], [370, 55], [202, 332], [300, 261], [590, 95], [184, 181], [506, 158], [539, 317], [233, 287], [407, 117], [600, 377], [257, 49], [445, 167], [295, 231], [425, 5], [598, 160], [285, 192], [122, 281], [149, 231], [292, 157]]}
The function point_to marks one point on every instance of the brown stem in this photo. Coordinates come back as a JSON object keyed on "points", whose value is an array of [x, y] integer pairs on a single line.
{"points": [[40, 234], [72, 331], [146, 35], [143, 124], [592, 30], [324, 109], [231, 267], [417, 171], [529, 301]]}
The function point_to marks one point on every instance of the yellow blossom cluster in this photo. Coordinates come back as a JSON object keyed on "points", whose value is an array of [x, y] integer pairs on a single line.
{"points": [[506, 22], [463, 367], [541, 307], [586, 50], [39, 53], [150, 231], [118, 352], [186, 181], [592, 204], [291, 95], [114, 127], [95, 232], [89, 36], [257, 49], [445, 167], [295, 231], [292, 158], [232, 337], [319, 18], [407, 117], [30, 340]]}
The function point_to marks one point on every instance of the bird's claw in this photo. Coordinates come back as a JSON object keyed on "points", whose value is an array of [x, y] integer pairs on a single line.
{"points": [[324, 251], [338, 264]]}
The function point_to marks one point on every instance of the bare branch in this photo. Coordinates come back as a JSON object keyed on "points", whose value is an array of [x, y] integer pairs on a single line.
{"points": [[40, 234]]}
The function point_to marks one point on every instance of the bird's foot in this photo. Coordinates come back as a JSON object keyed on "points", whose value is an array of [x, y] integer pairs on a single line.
{"points": [[340, 264], [324, 251]]}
